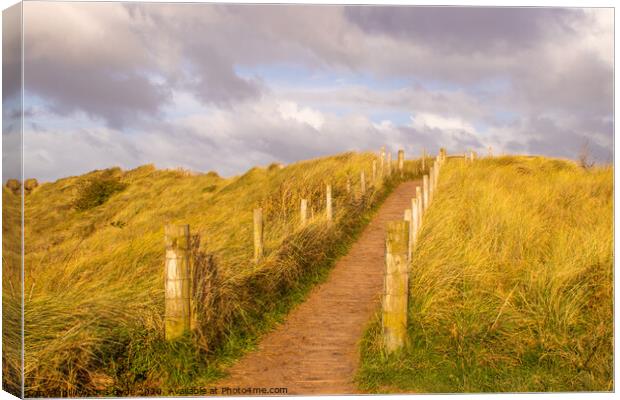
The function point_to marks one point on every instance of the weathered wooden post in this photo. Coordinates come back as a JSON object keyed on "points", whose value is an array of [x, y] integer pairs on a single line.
{"points": [[472, 156], [374, 171], [258, 234], [401, 161], [425, 192], [303, 212], [415, 223], [423, 159], [420, 204], [362, 183], [178, 281], [431, 186], [328, 203], [389, 163], [408, 218], [394, 305], [382, 161]]}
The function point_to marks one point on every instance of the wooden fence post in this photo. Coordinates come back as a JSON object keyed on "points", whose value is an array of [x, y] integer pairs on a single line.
{"points": [[425, 192], [362, 183], [401, 161], [303, 210], [472, 156], [382, 161], [394, 305], [374, 171], [178, 281], [418, 196], [407, 217], [431, 186], [389, 163], [423, 160], [328, 202], [415, 223], [258, 234]]}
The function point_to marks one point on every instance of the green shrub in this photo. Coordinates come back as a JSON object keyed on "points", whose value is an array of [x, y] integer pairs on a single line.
{"points": [[96, 191]]}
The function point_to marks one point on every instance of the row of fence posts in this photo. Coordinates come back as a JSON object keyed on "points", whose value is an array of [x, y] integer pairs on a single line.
{"points": [[178, 268], [401, 237]]}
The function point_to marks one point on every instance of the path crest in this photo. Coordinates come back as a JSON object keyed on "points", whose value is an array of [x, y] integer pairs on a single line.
{"points": [[315, 350]]}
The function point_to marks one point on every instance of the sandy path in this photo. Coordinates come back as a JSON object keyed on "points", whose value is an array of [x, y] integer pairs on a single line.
{"points": [[315, 351]]}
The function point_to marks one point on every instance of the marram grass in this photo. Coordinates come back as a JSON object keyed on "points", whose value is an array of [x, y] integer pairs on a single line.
{"points": [[94, 278], [511, 284]]}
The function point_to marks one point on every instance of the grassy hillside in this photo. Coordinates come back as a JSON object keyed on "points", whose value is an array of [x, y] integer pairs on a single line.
{"points": [[510, 285], [94, 266]]}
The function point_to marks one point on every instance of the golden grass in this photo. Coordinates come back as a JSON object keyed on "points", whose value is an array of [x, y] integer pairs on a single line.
{"points": [[11, 292], [511, 283], [94, 295]]}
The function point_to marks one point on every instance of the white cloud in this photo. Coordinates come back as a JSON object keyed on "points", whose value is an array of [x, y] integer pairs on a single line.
{"points": [[598, 33], [384, 126], [291, 110], [434, 121]]}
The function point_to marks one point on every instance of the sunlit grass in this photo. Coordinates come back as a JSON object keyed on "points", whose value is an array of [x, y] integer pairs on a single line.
{"points": [[11, 292], [511, 284]]}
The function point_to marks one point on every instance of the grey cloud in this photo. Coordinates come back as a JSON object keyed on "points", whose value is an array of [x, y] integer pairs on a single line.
{"points": [[88, 59], [465, 29], [548, 136], [124, 67], [11, 93], [49, 155], [432, 139], [582, 84], [11, 52], [119, 99], [215, 81]]}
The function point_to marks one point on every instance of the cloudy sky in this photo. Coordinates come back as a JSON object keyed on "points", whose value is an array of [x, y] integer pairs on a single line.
{"points": [[221, 87]]}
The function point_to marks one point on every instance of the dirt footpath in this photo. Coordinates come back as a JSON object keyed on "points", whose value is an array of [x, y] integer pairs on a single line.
{"points": [[315, 351]]}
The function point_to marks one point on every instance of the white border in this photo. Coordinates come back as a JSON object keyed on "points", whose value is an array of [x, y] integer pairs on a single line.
{"points": [[8, 3]]}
